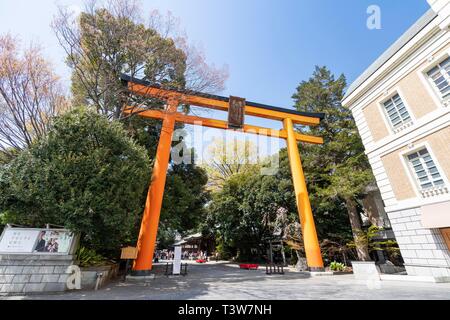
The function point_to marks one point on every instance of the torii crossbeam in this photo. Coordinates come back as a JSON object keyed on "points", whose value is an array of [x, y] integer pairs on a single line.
{"points": [[150, 220]]}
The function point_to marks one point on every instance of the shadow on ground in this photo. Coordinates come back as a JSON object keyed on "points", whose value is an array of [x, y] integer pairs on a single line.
{"points": [[225, 281]]}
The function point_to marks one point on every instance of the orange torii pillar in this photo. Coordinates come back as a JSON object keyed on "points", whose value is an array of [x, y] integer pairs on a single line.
{"points": [[310, 240], [150, 220]]}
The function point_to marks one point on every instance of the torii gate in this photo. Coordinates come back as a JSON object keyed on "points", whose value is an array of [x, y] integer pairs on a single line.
{"points": [[236, 107]]}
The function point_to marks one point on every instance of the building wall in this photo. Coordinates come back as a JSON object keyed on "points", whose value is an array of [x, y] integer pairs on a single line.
{"points": [[398, 177], [377, 125], [377, 147], [415, 93], [423, 249], [401, 180], [442, 7]]}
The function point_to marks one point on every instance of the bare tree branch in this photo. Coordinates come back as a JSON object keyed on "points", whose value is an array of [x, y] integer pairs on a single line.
{"points": [[107, 40], [30, 95]]}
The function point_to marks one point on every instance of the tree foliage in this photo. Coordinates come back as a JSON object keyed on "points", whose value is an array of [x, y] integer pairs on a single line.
{"points": [[89, 173], [112, 38], [246, 211], [227, 159], [184, 198], [106, 41], [252, 207], [337, 174], [240, 214], [337, 171], [103, 45], [330, 215], [86, 174]]}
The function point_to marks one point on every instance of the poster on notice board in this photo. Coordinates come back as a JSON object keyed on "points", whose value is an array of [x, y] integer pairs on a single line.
{"points": [[27, 240]]}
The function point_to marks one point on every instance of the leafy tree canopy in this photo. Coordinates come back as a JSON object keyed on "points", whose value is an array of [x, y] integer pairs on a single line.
{"points": [[338, 171], [227, 158], [339, 167], [86, 175], [184, 198]]}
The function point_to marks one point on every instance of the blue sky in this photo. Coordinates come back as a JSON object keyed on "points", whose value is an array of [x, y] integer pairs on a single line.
{"points": [[269, 46]]}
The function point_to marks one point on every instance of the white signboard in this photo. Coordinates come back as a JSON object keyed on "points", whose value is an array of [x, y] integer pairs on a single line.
{"points": [[22, 240], [177, 260], [18, 240]]}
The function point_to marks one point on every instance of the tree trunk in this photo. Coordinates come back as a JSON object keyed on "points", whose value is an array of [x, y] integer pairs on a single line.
{"points": [[361, 244], [371, 210]]}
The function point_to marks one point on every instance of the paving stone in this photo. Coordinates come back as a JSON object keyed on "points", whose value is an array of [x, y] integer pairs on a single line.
{"points": [[54, 287], [60, 269], [50, 278], [6, 278], [34, 287], [54, 263], [36, 278], [63, 278], [227, 282], [13, 269], [12, 287], [30, 269], [21, 278], [46, 269]]}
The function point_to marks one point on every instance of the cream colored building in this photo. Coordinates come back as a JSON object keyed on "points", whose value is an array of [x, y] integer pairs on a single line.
{"points": [[401, 105]]}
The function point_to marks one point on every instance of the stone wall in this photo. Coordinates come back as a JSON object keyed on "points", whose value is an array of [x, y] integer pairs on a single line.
{"points": [[423, 250], [89, 276], [33, 273]]}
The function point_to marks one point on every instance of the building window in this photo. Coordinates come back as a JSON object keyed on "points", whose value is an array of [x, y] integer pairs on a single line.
{"points": [[425, 170], [440, 75], [396, 112]]}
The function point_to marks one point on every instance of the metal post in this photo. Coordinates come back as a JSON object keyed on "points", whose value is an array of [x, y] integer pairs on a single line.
{"points": [[127, 266], [271, 252]]}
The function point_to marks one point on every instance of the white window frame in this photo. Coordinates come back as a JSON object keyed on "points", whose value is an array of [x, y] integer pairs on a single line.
{"points": [[429, 83], [423, 193], [387, 120]]}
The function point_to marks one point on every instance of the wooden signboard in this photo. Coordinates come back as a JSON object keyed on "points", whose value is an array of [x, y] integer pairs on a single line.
{"points": [[128, 253], [446, 235], [236, 113]]}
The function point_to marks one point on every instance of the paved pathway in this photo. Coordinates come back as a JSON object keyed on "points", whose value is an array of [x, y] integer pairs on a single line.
{"points": [[226, 281]]}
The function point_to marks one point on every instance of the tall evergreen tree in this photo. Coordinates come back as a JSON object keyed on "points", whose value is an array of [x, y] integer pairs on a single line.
{"points": [[338, 169]]}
